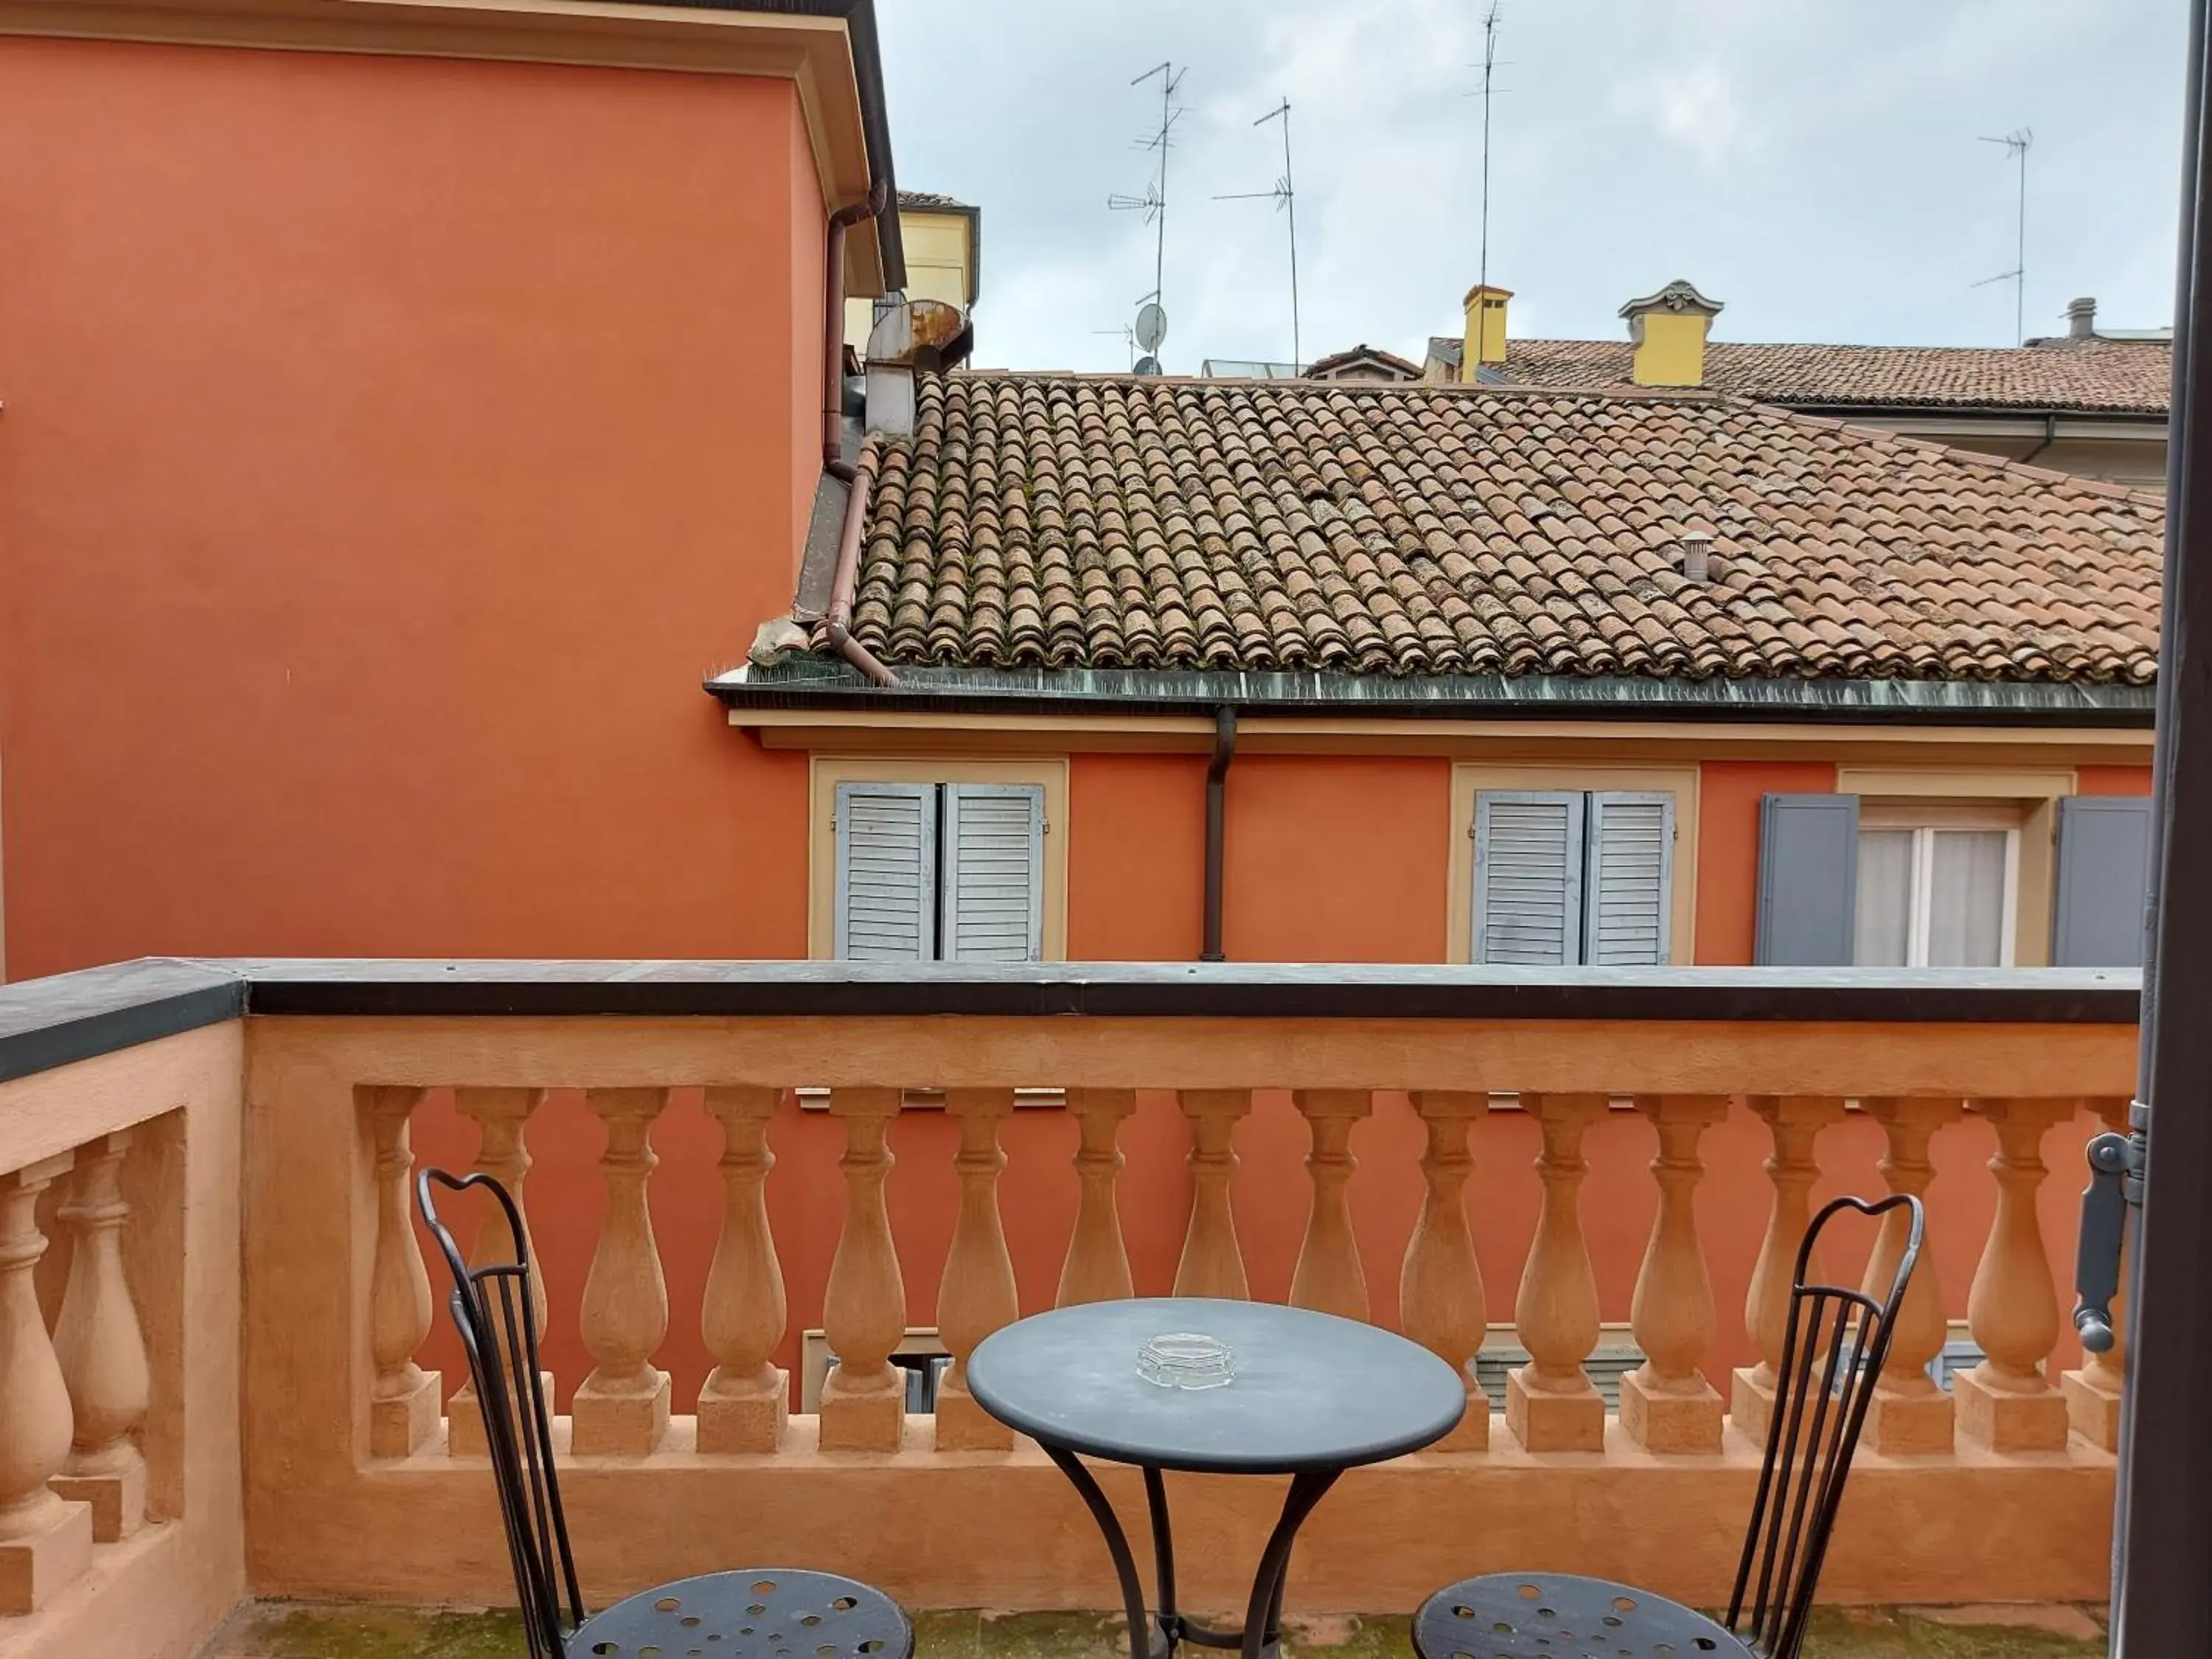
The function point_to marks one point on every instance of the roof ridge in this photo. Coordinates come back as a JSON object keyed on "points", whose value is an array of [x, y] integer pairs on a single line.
{"points": [[2045, 348], [1301, 385]]}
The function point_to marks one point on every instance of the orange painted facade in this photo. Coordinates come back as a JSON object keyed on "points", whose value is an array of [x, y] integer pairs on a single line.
{"points": [[385, 456], [390, 447]]}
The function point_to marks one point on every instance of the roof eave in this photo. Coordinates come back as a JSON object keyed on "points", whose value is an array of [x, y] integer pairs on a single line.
{"points": [[818, 685]]}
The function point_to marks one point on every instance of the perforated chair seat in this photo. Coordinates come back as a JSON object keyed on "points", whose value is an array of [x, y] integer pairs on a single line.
{"points": [[1559, 1615], [765, 1612]]}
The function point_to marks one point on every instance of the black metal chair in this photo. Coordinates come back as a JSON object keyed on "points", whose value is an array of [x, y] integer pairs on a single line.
{"points": [[770, 1613], [1832, 1354]]}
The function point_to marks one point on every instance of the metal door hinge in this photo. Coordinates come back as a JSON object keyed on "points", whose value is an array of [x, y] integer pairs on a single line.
{"points": [[2116, 1187]]}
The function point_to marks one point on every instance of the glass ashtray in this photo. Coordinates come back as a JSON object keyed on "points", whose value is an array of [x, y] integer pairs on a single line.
{"points": [[1186, 1359]]}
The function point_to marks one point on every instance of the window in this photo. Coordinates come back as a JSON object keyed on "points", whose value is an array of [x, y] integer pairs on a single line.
{"points": [[1935, 889], [1947, 867], [939, 871], [1563, 878]]}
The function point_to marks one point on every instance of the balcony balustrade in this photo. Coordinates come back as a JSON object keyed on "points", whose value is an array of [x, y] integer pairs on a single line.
{"points": [[223, 1370]]}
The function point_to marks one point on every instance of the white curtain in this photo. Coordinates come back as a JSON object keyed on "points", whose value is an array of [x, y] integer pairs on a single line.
{"points": [[1884, 902], [1931, 898], [1965, 898]]}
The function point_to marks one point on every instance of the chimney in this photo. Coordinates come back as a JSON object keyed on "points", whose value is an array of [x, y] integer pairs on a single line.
{"points": [[2082, 320], [916, 334], [1669, 330], [1696, 547], [1486, 329]]}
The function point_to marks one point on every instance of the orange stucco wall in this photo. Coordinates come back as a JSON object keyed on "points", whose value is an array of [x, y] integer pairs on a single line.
{"points": [[383, 461]]}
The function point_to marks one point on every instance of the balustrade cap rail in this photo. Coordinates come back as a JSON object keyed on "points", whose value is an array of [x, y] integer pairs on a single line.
{"points": [[46, 1023], [52, 1022]]}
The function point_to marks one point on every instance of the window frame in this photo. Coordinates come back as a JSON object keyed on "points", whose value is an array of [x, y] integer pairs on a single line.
{"points": [[2031, 796], [1470, 779], [826, 772], [1923, 823]]}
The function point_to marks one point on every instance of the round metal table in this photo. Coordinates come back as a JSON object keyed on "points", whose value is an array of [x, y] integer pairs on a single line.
{"points": [[1313, 1396]]}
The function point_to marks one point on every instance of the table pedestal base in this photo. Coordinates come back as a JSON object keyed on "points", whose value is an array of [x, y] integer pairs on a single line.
{"points": [[1158, 1636]]}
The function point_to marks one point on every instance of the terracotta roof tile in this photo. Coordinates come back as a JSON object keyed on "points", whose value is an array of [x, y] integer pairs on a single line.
{"points": [[1063, 521], [2098, 376]]}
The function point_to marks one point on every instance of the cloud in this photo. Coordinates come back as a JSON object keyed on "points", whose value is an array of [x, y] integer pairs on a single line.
{"points": [[1814, 166], [1699, 110]]}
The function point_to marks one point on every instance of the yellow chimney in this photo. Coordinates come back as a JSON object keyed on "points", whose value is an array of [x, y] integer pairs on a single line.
{"points": [[1669, 330], [1486, 329]]}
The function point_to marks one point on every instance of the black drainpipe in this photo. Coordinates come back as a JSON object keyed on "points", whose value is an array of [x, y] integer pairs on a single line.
{"points": [[1217, 813]]}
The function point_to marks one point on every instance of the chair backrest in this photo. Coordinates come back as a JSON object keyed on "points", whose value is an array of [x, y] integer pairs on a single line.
{"points": [[1832, 1353], [492, 1306]]}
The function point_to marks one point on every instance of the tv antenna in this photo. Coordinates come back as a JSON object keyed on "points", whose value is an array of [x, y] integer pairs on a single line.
{"points": [[1126, 334], [1153, 204], [1482, 261], [1284, 198], [2016, 143]]}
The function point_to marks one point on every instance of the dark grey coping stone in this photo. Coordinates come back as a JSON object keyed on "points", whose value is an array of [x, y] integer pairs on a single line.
{"points": [[52, 1022], [46, 1023]]}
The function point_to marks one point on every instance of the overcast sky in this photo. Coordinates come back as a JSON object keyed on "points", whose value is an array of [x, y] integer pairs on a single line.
{"points": [[1813, 164]]}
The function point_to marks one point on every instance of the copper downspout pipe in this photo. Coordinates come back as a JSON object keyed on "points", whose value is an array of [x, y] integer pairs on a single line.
{"points": [[838, 622], [1217, 822]]}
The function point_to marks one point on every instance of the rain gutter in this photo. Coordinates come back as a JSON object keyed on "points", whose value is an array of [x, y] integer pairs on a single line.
{"points": [[815, 684]]}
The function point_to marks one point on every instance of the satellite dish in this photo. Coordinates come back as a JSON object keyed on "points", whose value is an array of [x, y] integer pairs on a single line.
{"points": [[1149, 366], [1152, 325]]}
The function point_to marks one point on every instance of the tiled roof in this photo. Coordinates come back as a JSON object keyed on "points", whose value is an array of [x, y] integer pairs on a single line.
{"points": [[1364, 353], [1061, 521], [2106, 377], [929, 201]]}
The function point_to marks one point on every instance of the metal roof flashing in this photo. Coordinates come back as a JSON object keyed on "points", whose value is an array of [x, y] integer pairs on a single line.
{"points": [[814, 683]]}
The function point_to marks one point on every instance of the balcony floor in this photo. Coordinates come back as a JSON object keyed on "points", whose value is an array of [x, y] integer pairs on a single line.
{"points": [[306, 1632]]}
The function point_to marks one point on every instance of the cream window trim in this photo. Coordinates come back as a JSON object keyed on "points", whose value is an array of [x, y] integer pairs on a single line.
{"points": [[2033, 795], [826, 772], [1470, 779]]}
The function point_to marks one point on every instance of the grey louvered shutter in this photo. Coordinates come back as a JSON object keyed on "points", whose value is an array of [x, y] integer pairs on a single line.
{"points": [[1528, 878], [1809, 864], [1627, 887], [2104, 880], [993, 872], [886, 900]]}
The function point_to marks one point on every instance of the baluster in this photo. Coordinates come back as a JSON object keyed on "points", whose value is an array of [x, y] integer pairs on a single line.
{"points": [[864, 1305], [977, 1294], [1212, 1262], [1666, 1404], [1909, 1415], [402, 1407], [2005, 1402], [1096, 1269], [1795, 1121], [500, 1116], [45, 1540], [102, 1350], [621, 1410], [1329, 1277], [1440, 1296], [2092, 1394], [1550, 1402], [745, 1403]]}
